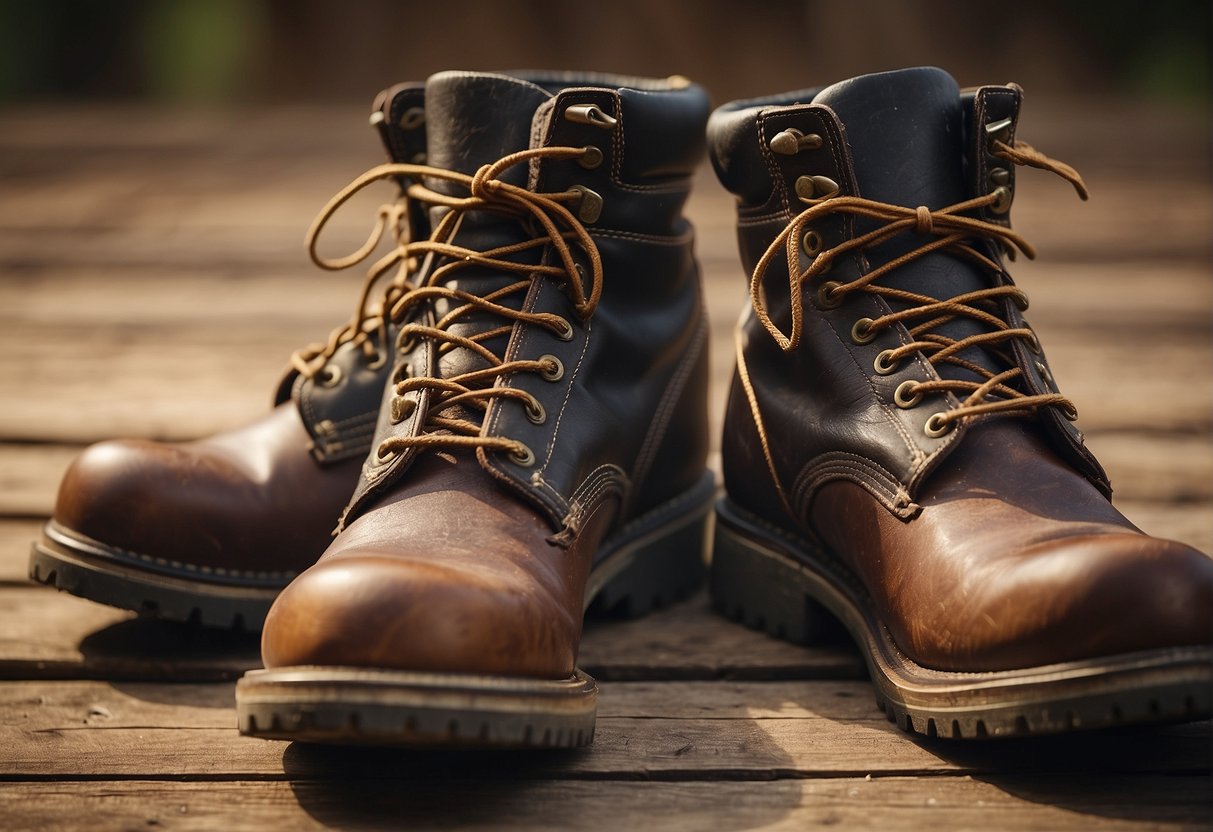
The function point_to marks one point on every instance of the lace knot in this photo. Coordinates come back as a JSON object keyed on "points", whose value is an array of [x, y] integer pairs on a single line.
{"points": [[923, 223]]}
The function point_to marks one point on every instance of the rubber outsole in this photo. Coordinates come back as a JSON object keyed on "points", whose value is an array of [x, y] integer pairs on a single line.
{"points": [[654, 560], [87, 569], [793, 590], [376, 707]]}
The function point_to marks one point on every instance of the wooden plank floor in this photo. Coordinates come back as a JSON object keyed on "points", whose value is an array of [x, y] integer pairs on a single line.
{"points": [[152, 284]]}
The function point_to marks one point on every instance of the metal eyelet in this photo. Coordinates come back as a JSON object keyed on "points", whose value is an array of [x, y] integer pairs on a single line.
{"points": [[936, 426], [862, 332], [535, 413], [1069, 412], [589, 209], [791, 141], [903, 398], [1044, 373], [590, 114], [378, 458], [405, 343], [825, 295], [523, 456], [329, 376], [402, 372], [564, 330], [816, 187], [1002, 201], [557, 371], [412, 118], [401, 408], [812, 243], [884, 364], [1033, 343], [590, 158]]}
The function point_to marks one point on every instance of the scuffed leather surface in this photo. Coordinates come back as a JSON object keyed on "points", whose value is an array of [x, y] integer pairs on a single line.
{"points": [[646, 336], [992, 547], [1016, 561], [258, 500], [470, 563], [248, 500], [443, 575]]}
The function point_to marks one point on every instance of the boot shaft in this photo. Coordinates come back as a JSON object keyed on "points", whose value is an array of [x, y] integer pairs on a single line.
{"points": [[912, 159], [560, 331]]}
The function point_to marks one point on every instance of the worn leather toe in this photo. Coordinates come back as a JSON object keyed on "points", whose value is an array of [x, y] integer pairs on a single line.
{"points": [[248, 498]]}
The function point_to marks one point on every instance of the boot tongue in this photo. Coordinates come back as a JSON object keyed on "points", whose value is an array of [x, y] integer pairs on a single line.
{"points": [[476, 118], [904, 129]]}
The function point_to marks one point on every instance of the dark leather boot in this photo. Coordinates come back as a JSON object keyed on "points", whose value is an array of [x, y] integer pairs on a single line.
{"points": [[542, 443], [895, 448], [211, 530]]}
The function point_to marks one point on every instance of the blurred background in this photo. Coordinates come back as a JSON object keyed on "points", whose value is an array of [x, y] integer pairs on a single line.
{"points": [[258, 51], [161, 159]]}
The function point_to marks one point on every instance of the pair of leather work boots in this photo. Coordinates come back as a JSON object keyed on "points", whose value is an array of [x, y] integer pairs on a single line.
{"points": [[519, 410]]}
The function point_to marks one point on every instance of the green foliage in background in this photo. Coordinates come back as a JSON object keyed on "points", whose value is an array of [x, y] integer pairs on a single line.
{"points": [[1161, 49], [208, 50]]}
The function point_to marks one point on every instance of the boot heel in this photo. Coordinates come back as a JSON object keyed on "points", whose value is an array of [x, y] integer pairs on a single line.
{"points": [[764, 592], [655, 569]]}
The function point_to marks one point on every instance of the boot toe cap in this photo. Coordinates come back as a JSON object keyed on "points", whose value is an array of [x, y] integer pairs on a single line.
{"points": [[415, 613], [1074, 599], [112, 489]]}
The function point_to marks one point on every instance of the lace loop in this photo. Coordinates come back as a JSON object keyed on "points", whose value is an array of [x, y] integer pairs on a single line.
{"points": [[955, 231]]}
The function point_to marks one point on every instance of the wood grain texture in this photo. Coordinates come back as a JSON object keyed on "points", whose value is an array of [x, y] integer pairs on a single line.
{"points": [[1005, 802], [671, 731], [50, 635], [153, 284]]}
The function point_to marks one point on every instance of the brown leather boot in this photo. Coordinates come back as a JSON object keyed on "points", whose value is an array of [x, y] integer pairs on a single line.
{"points": [[895, 448], [210, 531], [543, 440]]}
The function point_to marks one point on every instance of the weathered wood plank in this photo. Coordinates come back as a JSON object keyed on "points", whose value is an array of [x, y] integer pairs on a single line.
{"points": [[1005, 802], [132, 211], [672, 730], [48, 635], [15, 539]]}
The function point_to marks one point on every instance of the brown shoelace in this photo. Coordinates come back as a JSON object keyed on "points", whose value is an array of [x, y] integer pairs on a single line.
{"points": [[953, 232], [446, 423]]}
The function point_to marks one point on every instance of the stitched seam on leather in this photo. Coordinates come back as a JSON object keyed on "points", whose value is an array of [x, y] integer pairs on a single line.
{"points": [[618, 147], [585, 499], [772, 166], [669, 402], [567, 395], [676, 240], [868, 474], [743, 374], [916, 453], [186, 567], [357, 422], [749, 222]]}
